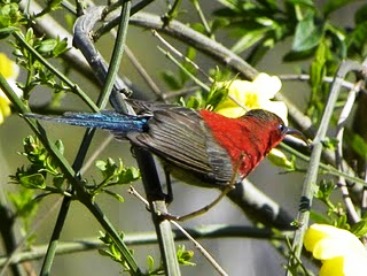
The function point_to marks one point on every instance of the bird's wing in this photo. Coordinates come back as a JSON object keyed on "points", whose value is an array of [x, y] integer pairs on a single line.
{"points": [[179, 136], [149, 107]]}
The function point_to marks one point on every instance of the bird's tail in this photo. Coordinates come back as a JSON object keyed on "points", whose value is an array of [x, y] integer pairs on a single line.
{"points": [[118, 123]]}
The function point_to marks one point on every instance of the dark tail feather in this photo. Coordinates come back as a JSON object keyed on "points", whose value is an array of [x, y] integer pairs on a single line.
{"points": [[118, 123]]}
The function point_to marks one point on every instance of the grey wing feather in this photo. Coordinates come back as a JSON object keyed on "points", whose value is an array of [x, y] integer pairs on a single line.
{"points": [[149, 107], [179, 136]]}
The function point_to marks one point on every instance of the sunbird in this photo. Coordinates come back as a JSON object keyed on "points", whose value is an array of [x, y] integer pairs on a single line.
{"points": [[199, 147]]}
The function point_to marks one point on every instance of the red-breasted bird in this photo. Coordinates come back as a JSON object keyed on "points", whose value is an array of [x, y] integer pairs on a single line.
{"points": [[198, 146]]}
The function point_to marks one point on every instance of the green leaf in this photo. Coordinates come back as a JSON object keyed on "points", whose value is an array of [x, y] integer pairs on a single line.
{"points": [[10, 15], [319, 218], [47, 46], [298, 56], [25, 207], [359, 145], [269, 4], [58, 181], [249, 39], [150, 262], [115, 195], [171, 80], [260, 50], [128, 175], [330, 143], [357, 41], [308, 34], [184, 256], [4, 32], [61, 47], [54, 4], [60, 146], [33, 181], [303, 3], [108, 168], [360, 228], [361, 15], [190, 55]]}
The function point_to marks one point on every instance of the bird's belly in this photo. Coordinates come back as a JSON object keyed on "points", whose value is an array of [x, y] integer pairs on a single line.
{"points": [[197, 179]]}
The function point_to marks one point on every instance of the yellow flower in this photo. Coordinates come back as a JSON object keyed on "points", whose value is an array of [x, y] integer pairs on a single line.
{"points": [[245, 95], [341, 253], [10, 71]]}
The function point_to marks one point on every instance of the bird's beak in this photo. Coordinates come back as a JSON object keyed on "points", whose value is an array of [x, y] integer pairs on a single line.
{"points": [[297, 134]]}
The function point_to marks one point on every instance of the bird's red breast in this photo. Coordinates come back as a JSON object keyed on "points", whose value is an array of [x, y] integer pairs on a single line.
{"points": [[247, 139]]}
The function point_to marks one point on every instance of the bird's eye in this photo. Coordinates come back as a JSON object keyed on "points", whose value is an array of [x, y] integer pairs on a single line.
{"points": [[282, 128]]}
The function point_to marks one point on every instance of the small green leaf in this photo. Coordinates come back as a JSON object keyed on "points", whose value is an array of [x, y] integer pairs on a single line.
{"points": [[58, 181], [128, 175], [4, 32], [47, 46], [33, 181], [184, 256], [171, 80], [308, 34], [54, 4], [60, 146], [303, 3], [319, 218], [359, 145], [150, 262], [361, 15], [60, 48], [115, 195], [330, 143], [249, 39]]}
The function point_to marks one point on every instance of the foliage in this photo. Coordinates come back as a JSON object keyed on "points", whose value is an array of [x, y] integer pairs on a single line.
{"points": [[311, 40]]}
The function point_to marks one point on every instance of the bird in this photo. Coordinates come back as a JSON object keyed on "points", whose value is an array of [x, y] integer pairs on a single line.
{"points": [[200, 147]]}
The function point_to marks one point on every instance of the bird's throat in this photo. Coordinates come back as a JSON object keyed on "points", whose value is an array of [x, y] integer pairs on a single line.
{"points": [[242, 140]]}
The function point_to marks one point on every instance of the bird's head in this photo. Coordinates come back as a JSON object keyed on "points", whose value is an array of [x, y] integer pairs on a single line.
{"points": [[272, 127]]}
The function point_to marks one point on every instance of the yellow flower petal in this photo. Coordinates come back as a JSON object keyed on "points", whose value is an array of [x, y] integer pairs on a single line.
{"points": [[325, 234], [239, 88], [240, 92], [8, 68], [244, 95], [231, 112], [340, 251], [333, 267], [4, 108], [344, 266]]}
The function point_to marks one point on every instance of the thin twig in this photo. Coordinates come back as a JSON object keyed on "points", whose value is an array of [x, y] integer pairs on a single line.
{"points": [[37, 224], [203, 20], [82, 39], [311, 176], [181, 92], [306, 77], [144, 74], [209, 231], [201, 249], [96, 153], [353, 215], [180, 55]]}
